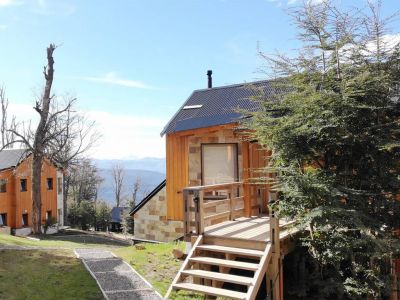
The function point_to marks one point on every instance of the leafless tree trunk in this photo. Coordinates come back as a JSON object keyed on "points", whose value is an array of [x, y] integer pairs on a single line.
{"points": [[43, 108], [7, 137], [118, 173], [136, 187], [61, 135]]}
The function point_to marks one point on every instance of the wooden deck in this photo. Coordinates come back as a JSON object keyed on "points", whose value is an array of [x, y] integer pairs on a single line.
{"points": [[253, 228]]}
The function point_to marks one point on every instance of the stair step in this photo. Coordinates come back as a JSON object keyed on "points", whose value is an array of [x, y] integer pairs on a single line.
{"points": [[225, 263], [231, 250], [208, 290], [219, 276]]}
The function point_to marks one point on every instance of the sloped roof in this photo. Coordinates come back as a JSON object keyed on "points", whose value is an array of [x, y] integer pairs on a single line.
{"points": [[218, 106], [149, 197], [12, 157]]}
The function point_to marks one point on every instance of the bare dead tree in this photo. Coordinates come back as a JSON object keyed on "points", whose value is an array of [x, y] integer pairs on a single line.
{"points": [[61, 135], [118, 174], [135, 189], [7, 137]]}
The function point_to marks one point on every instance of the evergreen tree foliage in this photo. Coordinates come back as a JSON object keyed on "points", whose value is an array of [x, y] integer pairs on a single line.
{"points": [[334, 135]]}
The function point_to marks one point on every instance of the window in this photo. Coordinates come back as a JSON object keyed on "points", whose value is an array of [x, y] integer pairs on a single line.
{"points": [[3, 185], [59, 185], [25, 220], [48, 214], [23, 185], [3, 219], [49, 183], [219, 163]]}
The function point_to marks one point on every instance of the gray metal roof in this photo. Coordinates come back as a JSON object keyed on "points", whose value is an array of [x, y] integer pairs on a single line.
{"points": [[12, 157], [219, 105]]}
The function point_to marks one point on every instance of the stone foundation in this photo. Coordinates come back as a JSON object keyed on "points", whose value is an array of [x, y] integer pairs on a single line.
{"points": [[151, 221]]}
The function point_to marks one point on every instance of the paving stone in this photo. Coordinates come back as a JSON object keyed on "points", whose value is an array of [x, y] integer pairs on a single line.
{"points": [[116, 279], [140, 295], [107, 265], [96, 255], [112, 281]]}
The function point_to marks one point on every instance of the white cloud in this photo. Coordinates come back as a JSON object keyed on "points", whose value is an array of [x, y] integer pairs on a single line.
{"points": [[4, 3], [45, 7], [123, 136], [128, 135], [113, 78]]}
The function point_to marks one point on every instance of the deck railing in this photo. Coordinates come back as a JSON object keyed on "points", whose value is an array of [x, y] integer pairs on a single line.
{"points": [[211, 204]]}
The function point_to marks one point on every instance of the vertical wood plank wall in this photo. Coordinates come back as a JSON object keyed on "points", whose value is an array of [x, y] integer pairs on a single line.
{"points": [[15, 202], [177, 157], [177, 174]]}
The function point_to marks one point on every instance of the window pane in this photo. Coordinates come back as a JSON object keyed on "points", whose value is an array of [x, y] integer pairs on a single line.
{"points": [[219, 163]]}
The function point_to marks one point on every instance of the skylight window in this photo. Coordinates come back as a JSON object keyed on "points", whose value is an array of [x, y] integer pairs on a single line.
{"points": [[193, 106]]}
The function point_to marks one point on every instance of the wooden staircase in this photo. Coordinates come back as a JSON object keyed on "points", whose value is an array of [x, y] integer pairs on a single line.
{"points": [[207, 270]]}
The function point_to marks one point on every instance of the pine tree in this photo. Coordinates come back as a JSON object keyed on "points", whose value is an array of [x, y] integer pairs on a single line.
{"points": [[334, 135]]}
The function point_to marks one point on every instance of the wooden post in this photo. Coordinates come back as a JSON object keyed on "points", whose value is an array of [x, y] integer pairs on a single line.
{"points": [[232, 203], [246, 176], [186, 220], [276, 251], [201, 211], [395, 295]]}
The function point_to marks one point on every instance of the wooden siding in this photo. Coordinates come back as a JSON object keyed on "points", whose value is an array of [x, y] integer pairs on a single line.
{"points": [[258, 157], [178, 146], [16, 202], [7, 203], [177, 174]]}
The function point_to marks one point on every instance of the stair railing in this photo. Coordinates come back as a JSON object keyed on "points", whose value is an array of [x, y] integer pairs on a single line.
{"points": [[208, 205]]}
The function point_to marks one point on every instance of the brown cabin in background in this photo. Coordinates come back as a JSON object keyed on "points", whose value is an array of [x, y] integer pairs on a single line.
{"points": [[16, 191]]}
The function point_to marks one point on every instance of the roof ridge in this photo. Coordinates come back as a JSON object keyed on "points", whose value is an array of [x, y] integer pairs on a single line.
{"points": [[234, 85]]}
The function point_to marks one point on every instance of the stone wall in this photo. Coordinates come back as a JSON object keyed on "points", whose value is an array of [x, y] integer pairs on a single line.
{"points": [[151, 221]]}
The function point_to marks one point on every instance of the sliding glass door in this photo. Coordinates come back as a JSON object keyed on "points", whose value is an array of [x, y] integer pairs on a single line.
{"points": [[219, 163]]}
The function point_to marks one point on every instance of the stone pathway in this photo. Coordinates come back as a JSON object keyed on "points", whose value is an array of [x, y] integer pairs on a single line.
{"points": [[116, 279]]}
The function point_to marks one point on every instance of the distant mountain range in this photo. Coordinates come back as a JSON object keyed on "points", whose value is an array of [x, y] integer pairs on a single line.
{"points": [[151, 172]]}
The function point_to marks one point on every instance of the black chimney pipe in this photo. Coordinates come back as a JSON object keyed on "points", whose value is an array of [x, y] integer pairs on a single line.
{"points": [[209, 73]]}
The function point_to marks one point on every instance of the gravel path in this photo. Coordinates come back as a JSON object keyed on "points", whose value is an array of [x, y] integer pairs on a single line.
{"points": [[116, 279]]}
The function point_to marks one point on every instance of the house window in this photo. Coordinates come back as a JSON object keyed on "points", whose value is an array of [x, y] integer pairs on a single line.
{"points": [[59, 185], [49, 183], [3, 185], [25, 220], [219, 163], [3, 219], [48, 214], [23, 185]]}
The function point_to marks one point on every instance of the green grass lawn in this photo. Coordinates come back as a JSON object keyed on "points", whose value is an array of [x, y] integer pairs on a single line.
{"points": [[60, 241], [157, 264], [44, 274]]}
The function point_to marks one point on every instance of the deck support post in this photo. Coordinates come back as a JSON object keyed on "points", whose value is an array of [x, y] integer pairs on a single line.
{"points": [[274, 273]]}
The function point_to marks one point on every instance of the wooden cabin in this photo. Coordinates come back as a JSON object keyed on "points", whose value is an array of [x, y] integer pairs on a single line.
{"points": [[16, 195], [204, 146], [209, 198], [236, 246]]}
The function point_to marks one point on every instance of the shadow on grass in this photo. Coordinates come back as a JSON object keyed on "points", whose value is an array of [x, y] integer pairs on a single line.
{"points": [[80, 237]]}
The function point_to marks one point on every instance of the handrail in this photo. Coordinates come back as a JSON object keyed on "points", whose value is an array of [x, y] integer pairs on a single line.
{"points": [[209, 212], [214, 187]]}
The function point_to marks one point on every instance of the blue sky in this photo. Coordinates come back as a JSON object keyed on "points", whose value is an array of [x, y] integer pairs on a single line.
{"points": [[132, 63]]}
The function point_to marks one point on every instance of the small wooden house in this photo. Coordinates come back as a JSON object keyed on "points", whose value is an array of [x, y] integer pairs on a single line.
{"points": [[16, 194], [204, 146], [236, 246], [209, 199]]}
